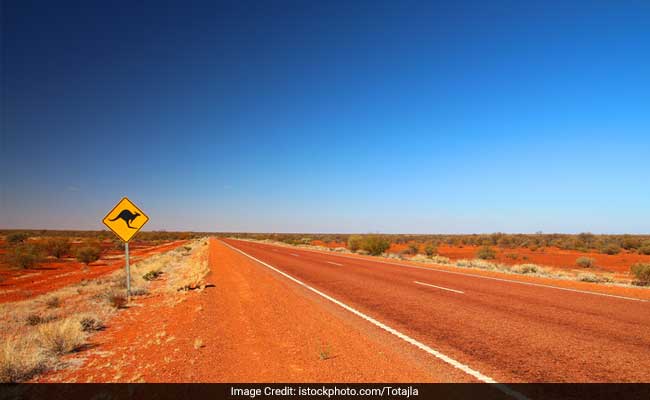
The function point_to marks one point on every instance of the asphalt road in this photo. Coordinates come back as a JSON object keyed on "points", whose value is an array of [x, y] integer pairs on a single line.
{"points": [[494, 330]]}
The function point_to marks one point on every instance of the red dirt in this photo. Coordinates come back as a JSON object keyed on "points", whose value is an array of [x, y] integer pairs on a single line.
{"points": [[331, 245], [254, 326], [53, 274], [549, 256]]}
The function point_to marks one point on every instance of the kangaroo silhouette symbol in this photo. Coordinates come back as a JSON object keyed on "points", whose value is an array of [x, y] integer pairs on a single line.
{"points": [[127, 216]]}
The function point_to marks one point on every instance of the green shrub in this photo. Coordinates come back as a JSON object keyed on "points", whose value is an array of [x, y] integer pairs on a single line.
{"points": [[25, 256], [645, 249], [641, 272], [18, 237], [375, 245], [486, 253], [585, 262], [151, 275], [354, 243], [610, 248], [88, 254], [430, 250], [57, 247]]}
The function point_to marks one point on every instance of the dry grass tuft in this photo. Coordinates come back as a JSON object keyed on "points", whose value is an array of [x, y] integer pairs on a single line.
{"points": [[90, 323], [117, 299], [527, 269], [20, 360], [61, 337], [53, 302], [198, 343]]}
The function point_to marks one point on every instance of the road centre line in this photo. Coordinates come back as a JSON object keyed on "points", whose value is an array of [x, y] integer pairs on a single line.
{"points": [[333, 263], [456, 364], [439, 287]]}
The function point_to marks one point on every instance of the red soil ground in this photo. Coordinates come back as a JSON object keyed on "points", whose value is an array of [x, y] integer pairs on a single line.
{"points": [[549, 256], [17, 284]]}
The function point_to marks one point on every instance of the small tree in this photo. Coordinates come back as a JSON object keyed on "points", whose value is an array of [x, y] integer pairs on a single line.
{"points": [[486, 253], [25, 256], [18, 237], [57, 247], [354, 243], [430, 250], [375, 245], [88, 254], [641, 272]]}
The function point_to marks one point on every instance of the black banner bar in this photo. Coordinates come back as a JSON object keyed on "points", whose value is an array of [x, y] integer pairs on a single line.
{"points": [[251, 391]]}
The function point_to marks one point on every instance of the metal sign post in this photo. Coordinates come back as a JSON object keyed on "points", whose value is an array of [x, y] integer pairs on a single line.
{"points": [[128, 270], [125, 220]]}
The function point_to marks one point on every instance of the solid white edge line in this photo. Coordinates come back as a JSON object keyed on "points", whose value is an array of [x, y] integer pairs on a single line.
{"points": [[404, 337], [333, 263], [439, 287], [471, 275]]}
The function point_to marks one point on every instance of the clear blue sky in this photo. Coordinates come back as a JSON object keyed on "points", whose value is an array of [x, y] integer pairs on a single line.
{"points": [[334, 117]]}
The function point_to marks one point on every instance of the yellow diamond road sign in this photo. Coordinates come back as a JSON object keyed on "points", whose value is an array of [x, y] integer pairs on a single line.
{"points": [[125, 219]]}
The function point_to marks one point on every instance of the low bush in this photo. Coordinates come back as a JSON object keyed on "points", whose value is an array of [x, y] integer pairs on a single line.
{"points": [[610, 248], [25, 256], [413, 248], [151, 275], [585, 262], [88, 254], [486, 253], [430, 250], [375, 245], [354, 243], [18, 237], [57, 247], [641, 272]]}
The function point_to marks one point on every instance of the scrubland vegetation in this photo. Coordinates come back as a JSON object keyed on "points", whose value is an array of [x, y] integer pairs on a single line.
{"points": [[27, 249], [583, 242], [35, 333]]}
